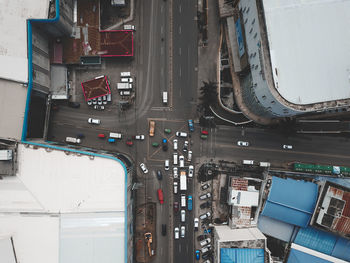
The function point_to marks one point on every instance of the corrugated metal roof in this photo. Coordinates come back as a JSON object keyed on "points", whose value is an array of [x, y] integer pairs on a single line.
{"points": [[296, 256], [291, 201], [239, 255]]}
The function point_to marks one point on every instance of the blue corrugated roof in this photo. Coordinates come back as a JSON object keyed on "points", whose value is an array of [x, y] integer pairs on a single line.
{"points": [[296, 256], [291, 201], [240, 255]]}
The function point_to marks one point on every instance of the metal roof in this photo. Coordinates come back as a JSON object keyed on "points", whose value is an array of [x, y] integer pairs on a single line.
{"points": [[296, 256], [238, 255], [291, 201]]}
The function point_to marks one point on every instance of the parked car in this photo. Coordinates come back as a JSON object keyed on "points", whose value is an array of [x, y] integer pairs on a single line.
{"points": [[94, 101], [205, 196], [155, 144], [206, 248], [175, 144], [190, 125], [183, 229], [205, 186], [206, 255], [175, 172], [198, 254], [189, 203], [183, 215], [190, 171], [160, 196], [205, 132], [89, 102], [143, 168], [208, 230], [163, 229], [176, 207], [204, 137], [204, 216], [98, 107], [205, 242], [189, 156], [182, 161], [74, 104], [181, 134], [94, 121], [287, 147], [140, 137], [168, 131], [175, 187], [242, 143], [175, 158], [101, 135], [111, 140], [205, 205], [176, 233], [185, 148], [207, 261], [165, 144], [166, 165], [159, 175], [196, 223]]}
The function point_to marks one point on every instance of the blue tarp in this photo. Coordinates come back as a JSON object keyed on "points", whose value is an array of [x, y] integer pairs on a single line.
{"points": [[291, 201], [296, 256], [239, 255]]}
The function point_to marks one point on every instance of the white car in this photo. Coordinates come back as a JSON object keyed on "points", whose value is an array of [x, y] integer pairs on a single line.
{"points": [[205, 196], [204, 216], [89, 102], [182, 161], [189, 156], [206, 248], [207, 261], [183, 231], [175, 172], [94, 121], [176, 232], [205, 242], [143, 168], [241, 143], [175, 144], [140, 137], [287, 147], [181, 134], [185, 148], [183, 215], [175, 187], [166, 165], [196, 224], [190, 171]]}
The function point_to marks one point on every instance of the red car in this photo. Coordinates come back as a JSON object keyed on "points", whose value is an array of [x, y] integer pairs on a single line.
{"points": [[205, 132], [160, 196], [176, 207], [101, 135], [129, 143]]}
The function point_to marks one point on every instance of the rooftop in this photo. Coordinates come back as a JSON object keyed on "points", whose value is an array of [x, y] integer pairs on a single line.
{"points": [[226, 234], [96, 87], [309, 49]]}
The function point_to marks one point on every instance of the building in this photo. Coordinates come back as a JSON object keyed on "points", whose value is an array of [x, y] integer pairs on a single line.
{"points": [[65, 206], [289, 59]]}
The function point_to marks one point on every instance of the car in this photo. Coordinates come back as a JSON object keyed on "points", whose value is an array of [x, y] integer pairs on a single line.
{"points": [[182, 161], [176, 233], [204, 137], [242, 143], [206, 248], [99, 102], [198, 254], [196, 223], [152, 125], [155, 144], [104, 102], [205, 196], [89, 102], [287, 147], [175, 187], [94, 101], [159, 175], [204, 216], [204, 132], [98, 107], [104, 97], [80, 135], [143, 168], [73, 104], [101, 135], [168, 131], [183, 215], [190, 171], [183, 229], [176, 207], [94, 121], [125, 93], [111, 140], [189, 156], [206, 255], [140, 137], [190, 125], [129, 143], [207, 261], [189, 203], [205, 205], [175, 144], [163, 229], [160, 196], [166, 165], [181, 134], [175, 158], [164, 144], [175, 172], [208, 230], [201, 237], [185, 148], [205, 242], [205, 186]]}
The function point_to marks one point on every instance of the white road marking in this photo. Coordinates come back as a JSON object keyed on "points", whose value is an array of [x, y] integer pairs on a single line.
{"points": [[180, 51], [180, 30], [162, 30], [162, 50], [180, 72], [180, 8]]}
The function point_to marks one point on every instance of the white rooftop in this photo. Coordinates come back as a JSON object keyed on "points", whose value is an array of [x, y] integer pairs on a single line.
{"points": [[77, 203], [225, 234], [243, 198], [310, 48], [13, 29]]}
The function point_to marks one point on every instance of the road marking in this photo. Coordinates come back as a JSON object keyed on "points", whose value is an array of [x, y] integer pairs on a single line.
{"points": [[180, 51], [179, 30], [162, 30], [180, 72], [179, 247], [180, 8], [161, 251]]}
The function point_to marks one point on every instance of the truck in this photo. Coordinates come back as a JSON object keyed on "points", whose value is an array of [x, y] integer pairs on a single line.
{"points": [[264, 164], [152, 125], [115, 135], [183, 181], [124, 86], [73, 140], [129, 27], [165, 97]]}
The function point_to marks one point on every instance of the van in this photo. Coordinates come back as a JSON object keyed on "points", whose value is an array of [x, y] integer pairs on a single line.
{"points": [[264, 164], [129, 27], [73, 140], [125, 74], [183, 215], [183, 200], [115, 135], [109, 97], [249, 162], [165, 97], [175, 158]]}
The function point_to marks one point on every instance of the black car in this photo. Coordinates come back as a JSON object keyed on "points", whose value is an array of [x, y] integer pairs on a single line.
{"points": [[165, 145], [202, 237], [74, 104], [164, 229], [159, 175], [205, 205], [80, 135], [206, 255]]}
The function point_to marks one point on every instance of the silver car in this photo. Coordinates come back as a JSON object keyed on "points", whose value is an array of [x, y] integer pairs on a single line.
{"points": [[204, 216], [241, 143], [143, 168], [181, 134], [205, 196], [175, 144], [175, 172], [182, 161], [183, 215], [176, 232], [190, 171], [94, 121], [183, 231]]}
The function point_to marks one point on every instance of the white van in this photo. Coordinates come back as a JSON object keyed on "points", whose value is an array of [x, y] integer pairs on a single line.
{"points": [[264, 164], [183, 200], [115, 135], [124, 80], [183, 215], [109, 97], [249, 162], [73, 140], [125, 74], [175, 158], [165, 97]]}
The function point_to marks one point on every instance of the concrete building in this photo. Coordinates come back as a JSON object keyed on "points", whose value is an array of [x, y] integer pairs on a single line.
{"points": [[291, 57]]}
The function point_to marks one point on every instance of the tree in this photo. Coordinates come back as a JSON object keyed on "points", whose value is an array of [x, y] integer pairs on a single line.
{"points": [[209, 93]]}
